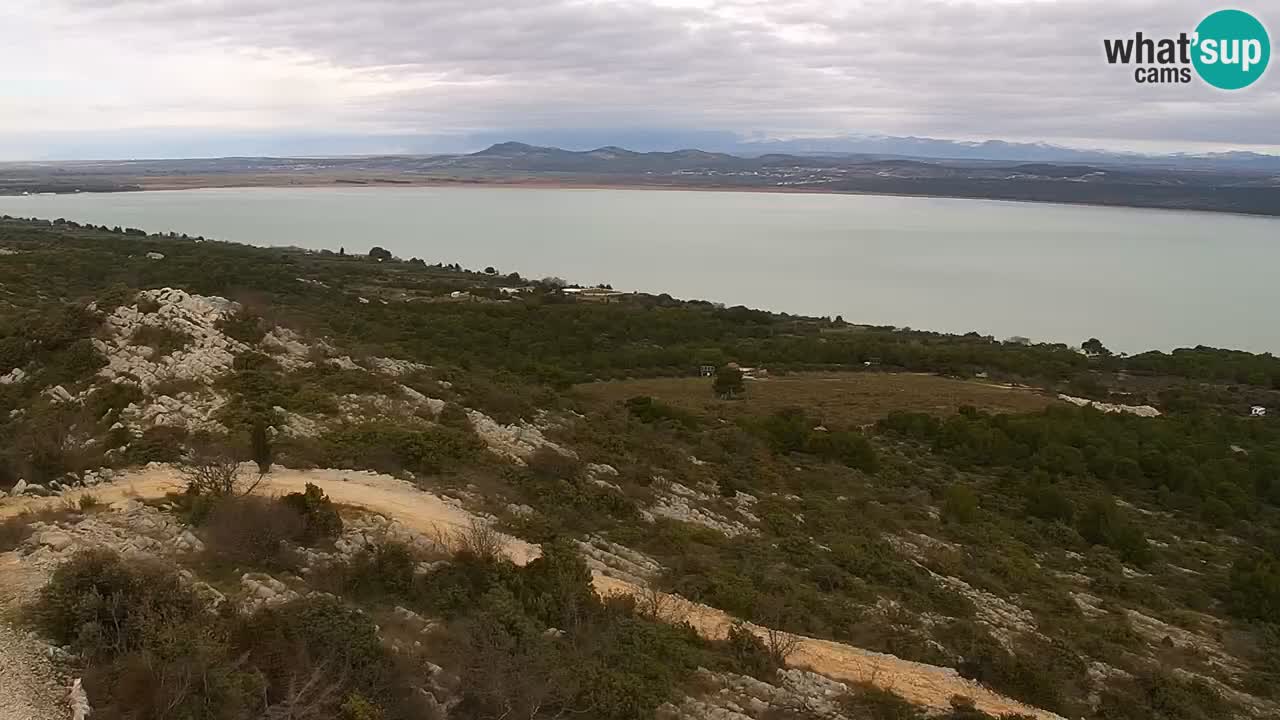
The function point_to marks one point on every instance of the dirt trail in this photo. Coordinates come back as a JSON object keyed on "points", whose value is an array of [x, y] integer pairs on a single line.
{"points": [[922, 684]]}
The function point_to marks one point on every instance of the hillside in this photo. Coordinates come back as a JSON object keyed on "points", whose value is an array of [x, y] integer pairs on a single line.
{"points": [[482, 496]]}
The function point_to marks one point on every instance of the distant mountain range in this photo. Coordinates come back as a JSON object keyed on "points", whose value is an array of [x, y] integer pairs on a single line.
{"points": [[1224, 182], [889, 146], [1000, 150]]}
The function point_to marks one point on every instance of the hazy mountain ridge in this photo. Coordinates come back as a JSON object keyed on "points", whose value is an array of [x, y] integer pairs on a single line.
{"points": [[1230, 182]]}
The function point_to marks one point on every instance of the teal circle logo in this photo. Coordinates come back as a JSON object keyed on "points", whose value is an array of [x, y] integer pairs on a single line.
{"points": [[1231, 49]]}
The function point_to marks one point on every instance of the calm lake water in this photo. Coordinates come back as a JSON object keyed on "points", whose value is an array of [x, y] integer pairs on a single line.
{"points": [[1137, 279]]}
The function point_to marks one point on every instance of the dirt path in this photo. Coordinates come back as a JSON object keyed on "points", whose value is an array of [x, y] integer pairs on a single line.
{"points": [[429, 514], [30, 688]]}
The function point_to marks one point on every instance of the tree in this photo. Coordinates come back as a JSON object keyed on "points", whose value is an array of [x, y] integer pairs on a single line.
{"points": [[1094, 346], [214, 471], [1102, 523], [490, 270], [960, 504], [728, 382], [379, 254], [261, 444]]}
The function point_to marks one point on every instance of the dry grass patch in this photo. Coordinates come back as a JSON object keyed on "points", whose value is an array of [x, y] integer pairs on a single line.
{"points": [[843, 398]]}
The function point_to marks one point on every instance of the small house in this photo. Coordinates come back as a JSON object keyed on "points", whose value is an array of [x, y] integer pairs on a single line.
{"points": [[707, 370], [1257, 411]]}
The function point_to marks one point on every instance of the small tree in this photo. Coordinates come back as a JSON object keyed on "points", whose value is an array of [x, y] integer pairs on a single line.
{"points": [[728, 382], [379, 253], [1094, 346], [261, 445], [320, 517], [216, 472]]}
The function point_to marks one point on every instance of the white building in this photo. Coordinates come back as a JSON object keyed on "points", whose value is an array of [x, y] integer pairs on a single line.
{"points": [[1257, 411]]}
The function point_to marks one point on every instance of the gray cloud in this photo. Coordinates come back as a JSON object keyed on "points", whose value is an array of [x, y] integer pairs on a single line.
{"points": [[1016, 69]]}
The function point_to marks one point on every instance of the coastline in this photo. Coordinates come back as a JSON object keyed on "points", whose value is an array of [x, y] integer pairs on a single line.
{"points": [[151, 183]]}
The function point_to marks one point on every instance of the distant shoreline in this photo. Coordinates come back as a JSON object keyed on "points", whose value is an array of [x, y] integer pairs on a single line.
{"points": [[304, 181]]}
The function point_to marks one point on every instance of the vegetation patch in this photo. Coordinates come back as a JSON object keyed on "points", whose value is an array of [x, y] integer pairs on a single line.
{"points": [[162, 339]]}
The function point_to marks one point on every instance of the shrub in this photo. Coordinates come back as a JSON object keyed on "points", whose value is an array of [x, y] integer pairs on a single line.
{"points": [[1049, 503], [844, 446], [1039, 674], [260, 445], [383, 570], [650, 411], [153, 649], [108, 608], [787, 430], [107, 401], [1164, 696], [252, 529], [391, 448], [1254, 590], [164, 340], [215, 471], [77, 360], [314, 652], [320, 517], [1102, 523], [749, 654], [244, 326], [959, 504], [42, 448], [160, 443], [728, 382], [455, 416], [548, 464], [147, 304]]}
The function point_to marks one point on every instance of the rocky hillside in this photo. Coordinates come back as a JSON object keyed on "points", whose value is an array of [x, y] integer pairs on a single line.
{"points": [[1110, 555]]}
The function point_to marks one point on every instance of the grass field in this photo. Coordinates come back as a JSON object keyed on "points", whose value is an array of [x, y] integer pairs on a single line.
{"points": [[845, 398]]}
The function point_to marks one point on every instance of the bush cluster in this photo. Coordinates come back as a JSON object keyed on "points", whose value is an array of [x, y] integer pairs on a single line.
{"points": [[155, 651]]}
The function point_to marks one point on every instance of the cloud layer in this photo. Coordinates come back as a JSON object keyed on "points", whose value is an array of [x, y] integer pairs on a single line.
{"points": [[80, 72]]}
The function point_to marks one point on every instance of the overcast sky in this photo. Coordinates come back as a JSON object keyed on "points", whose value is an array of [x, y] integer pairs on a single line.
{"points": [[121, 78]]}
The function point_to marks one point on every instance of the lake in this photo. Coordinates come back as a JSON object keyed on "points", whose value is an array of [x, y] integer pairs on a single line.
{"points": [[1137, 279]]}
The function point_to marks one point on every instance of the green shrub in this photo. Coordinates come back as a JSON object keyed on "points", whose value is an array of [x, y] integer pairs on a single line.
{"points": [[1103, 523], [320, 516], [1039, 674], [844, 446], [1165, 697], [387, 447], [787, 430], [318, 633], [164, 340], [1254, 589], [548, 464], [244, 326], [650, 411], [1050, 503], [147, 304], [108, 400], [385, 570], [252, 530], [160, 443], [107, 608], [748, 653], [960, 504], [455, 416]]}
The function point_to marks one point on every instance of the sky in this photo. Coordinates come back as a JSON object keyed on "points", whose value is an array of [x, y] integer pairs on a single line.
{"points": [[90, 79]]}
